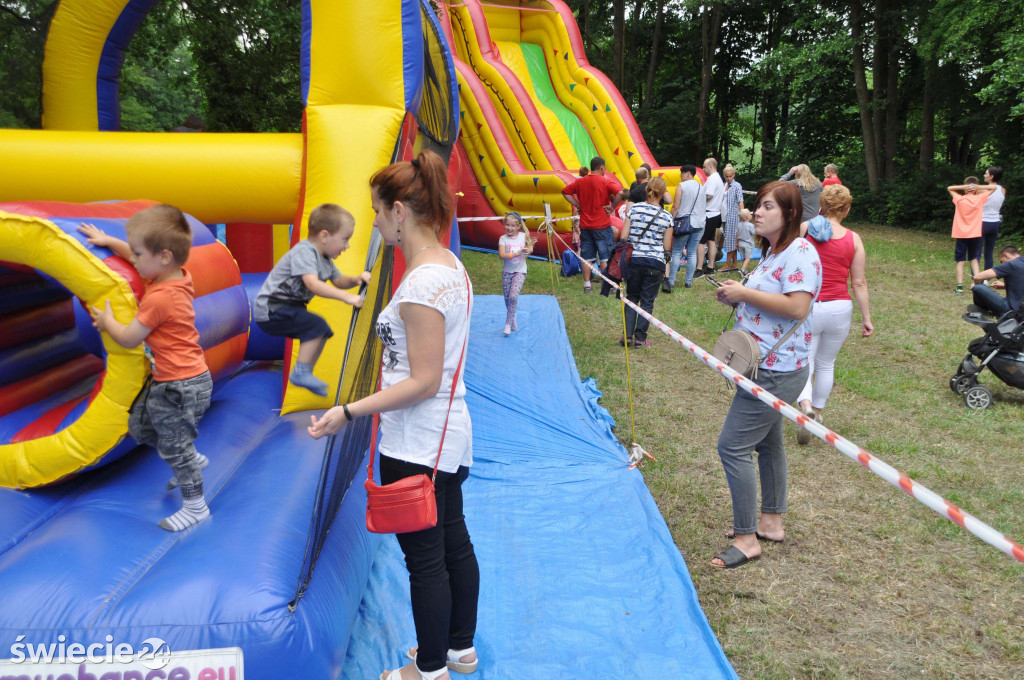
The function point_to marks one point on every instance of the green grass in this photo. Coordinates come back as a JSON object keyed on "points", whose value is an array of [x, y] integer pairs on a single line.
{"points": [[869, 583]]}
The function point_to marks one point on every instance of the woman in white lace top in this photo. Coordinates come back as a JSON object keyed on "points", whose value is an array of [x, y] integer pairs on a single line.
{"points": [[431, 307]]}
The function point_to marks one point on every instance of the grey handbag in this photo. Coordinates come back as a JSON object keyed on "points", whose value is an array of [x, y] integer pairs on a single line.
{"points": [[738, 349]]}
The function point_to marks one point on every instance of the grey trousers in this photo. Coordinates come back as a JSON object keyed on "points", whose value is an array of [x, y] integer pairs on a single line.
{"points": [[166, 416], [751, 425]]}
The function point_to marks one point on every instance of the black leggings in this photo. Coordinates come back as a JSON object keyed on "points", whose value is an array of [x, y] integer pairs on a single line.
{"points": [[444, 578], [989, 234]]}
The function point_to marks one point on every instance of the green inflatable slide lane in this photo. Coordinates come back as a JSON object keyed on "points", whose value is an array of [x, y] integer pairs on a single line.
{"points": [[545, 92]]}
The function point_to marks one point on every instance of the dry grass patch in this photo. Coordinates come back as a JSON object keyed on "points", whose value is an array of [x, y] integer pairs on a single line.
{"points": [[869, 582]]}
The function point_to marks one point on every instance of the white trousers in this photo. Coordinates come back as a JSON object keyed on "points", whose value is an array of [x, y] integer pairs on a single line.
{"points": [[831, 323]]}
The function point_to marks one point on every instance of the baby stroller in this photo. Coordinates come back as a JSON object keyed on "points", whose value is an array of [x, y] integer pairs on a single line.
{"points": [[1001, 350]]}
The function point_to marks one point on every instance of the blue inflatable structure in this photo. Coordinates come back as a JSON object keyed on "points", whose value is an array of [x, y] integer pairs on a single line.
{"points": [[580, 576], [85, 559]]}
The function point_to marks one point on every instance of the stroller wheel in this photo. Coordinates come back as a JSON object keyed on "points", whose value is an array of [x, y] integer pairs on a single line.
{"points": [[960, 382], [977, 398]]}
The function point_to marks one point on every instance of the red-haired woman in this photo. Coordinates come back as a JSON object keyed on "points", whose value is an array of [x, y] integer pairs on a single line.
{"points": [[842, 260], [432, 306], [775, 300]]}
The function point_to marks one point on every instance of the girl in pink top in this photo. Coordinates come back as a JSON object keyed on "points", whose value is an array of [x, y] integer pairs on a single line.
{"points": [[842, 259]]}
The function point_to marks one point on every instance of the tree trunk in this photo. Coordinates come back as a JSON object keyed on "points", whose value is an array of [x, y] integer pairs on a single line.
{"points": [[652, 67], [767, 118], [710, 23], [753, 138], [964, 152], [928, 118], [723, 125], [879, 69], [768, 132], [863, 96], [633, 77], [585, 11], [892, 117], [618, 41], [929, 65], [780, 139]]}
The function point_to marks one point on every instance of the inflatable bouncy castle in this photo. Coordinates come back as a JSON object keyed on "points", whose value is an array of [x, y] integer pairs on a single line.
{"points": [[271, 583], [283, 580]]}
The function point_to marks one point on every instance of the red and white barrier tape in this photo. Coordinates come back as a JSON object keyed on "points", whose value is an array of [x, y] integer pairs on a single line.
{"points": [[890, 474]]}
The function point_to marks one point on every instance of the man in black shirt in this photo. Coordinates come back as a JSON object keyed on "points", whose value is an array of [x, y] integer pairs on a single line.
{"points": [[1011, 270]]}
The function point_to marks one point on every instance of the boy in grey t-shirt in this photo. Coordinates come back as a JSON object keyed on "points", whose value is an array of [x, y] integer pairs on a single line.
{"points": [[280, 307]]}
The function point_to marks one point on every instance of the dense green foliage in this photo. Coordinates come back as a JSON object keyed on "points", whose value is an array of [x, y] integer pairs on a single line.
{"points": [[762, 84], [233, 62], [782, 91]]}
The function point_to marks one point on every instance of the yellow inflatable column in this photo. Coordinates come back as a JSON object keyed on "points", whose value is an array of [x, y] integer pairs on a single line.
{"points": [[354, 114], [71, 60]]}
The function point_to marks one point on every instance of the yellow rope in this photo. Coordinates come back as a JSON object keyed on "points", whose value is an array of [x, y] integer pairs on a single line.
{"points": [[622, 304], [551, 258], [626, 341]]}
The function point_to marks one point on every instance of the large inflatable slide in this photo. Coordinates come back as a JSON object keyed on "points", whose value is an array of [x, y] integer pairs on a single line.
{"points": [[274, 578], [533, 112]]}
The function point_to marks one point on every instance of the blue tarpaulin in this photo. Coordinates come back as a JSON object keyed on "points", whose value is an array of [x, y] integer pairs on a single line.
{"points": [[579, 573]]}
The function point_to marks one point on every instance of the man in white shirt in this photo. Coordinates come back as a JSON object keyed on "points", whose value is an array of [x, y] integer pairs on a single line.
{"points": [[714, 189]]}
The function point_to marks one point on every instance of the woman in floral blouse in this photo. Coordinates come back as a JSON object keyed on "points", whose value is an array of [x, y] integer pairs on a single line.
{"points": [[776, 296]]}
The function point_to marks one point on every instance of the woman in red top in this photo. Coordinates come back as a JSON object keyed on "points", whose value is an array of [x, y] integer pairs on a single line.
{"points": [[842, 259]]}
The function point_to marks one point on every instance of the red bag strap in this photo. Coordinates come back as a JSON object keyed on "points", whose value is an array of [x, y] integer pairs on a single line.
{"points": [[451, 395]]}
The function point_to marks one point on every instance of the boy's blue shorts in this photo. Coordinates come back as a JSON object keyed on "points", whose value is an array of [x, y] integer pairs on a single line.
{"points": [[967, 249], [296, 322]]}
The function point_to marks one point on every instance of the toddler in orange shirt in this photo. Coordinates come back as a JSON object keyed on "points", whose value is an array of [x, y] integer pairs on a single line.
{"points": [[166, 413]]}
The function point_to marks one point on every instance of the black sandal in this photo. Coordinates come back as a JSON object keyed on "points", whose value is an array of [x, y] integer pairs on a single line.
{"points": [[732, 557]]}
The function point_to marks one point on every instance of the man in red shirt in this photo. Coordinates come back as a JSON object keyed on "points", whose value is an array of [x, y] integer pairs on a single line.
{"points": [[593, 197]]}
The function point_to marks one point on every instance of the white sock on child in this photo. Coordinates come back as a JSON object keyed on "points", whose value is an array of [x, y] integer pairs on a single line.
{"points": [[192, 512]]}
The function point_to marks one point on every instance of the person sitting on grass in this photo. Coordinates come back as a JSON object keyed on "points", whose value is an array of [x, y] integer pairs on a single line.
{"points": [[280, 307], [1011, 270]]}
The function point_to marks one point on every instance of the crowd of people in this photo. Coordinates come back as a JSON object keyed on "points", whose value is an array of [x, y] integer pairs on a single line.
{"points": [[810, 274], [422, 395], [977, 218], [795, 303]]}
